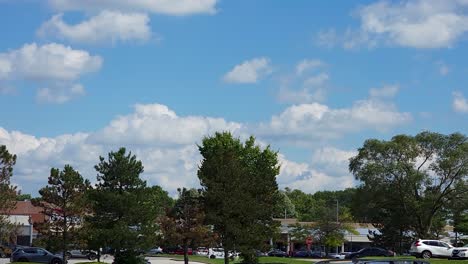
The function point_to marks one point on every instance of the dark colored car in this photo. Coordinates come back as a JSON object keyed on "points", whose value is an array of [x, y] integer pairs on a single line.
{"points": [[371, 252], [78, 253], [33, 254], [277, 253], [301, 254]]}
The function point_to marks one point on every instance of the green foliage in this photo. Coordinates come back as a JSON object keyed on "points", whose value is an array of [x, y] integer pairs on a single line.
{"points": [[7, 191], [63, 202], [408, 182], [240, 190], [284, 207], [124, 210], [23, 197], [184, 223]]}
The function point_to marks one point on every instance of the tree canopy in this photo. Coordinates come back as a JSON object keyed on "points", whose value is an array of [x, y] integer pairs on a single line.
{"points": [[240, 191], [7, 190], [408, 182]]}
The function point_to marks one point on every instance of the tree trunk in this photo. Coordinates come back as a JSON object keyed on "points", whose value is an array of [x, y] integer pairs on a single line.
{"points": [[226, 256], [64, 242], [186, 260]]}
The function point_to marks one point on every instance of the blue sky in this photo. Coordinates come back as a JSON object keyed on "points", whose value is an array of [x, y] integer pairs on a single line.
{"points": [[313, 79]]}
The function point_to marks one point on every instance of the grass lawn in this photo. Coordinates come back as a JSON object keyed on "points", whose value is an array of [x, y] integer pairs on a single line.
{"points": [[221, 261]]}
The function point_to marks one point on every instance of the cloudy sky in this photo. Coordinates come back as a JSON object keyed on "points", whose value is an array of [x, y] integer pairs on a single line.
{"points": [[314, 79]]}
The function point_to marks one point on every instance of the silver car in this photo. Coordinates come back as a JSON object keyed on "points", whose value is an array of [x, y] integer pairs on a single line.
{"points": [[426, 249], [33, 254]]}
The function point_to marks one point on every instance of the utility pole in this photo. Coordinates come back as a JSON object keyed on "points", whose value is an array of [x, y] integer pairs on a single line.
{"points": [[337, 219]]}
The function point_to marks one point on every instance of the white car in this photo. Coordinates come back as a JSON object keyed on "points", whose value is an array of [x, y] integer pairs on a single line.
{"points": [[155, 251], [426, 249], [460, 252], [218, 253]]}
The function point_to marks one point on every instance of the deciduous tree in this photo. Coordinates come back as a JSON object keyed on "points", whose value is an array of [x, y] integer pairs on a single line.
{"points": [[7, 190], [410, 180]]}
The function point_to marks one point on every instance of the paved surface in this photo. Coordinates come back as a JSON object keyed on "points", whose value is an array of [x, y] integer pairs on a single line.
{"points": [[153, 260]]}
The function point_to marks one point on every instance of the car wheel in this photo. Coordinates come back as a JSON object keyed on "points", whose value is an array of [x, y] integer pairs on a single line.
{"points": [[92, 256], [23, 260], [426, 254], [68, 255], [56, 261], [212, 257]]}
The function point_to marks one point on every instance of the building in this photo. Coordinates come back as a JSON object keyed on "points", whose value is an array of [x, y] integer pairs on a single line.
{"points": [[25, 215]]}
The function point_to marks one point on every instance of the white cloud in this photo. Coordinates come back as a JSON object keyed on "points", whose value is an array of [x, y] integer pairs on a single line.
{"points": [[159, 125], [415, 24], [168, 7], [250, 71], [306, 64], [307, 85], [387, 91], [305, 121], [54, 65], [305, 177], [332, 160], [460, 103], [60, 95], [107, 26]]}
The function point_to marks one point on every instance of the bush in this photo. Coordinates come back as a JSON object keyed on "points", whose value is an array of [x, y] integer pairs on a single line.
{"points": [[129, 257]]}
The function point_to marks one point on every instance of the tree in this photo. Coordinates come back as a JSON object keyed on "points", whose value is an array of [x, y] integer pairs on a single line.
{"points": [[124, 215], [329, 229], [63, 202], [408, 181], [240, 190], [304, 204], [184, 223], [284, 208], [7, 191], [23, 197]]}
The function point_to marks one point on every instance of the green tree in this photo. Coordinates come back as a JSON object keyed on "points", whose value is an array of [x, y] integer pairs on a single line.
{"points": [[184, 224], [284, 207], [304, 204], [23, 197], [7, 191], [63, 202], [408, 181], [124, 217], [240, 192]]}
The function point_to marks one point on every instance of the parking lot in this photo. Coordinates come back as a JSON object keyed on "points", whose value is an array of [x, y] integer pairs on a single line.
{"points": [[109, 259]]}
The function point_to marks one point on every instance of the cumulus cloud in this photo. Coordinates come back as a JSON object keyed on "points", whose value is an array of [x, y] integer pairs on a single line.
{"points": [[460, 103], [250, 71], [308, 178], [168, 7], [54, 65], [305, 121], [415, 24], [159, 125], [107, 26]]}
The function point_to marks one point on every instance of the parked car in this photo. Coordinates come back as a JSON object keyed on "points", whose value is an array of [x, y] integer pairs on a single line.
{"points": [[260, 253], [155, 251], [277, 253], [34, 254], [301, 254], [202, 251], [371, 252], [78, 253], [215, 253], [425, 248], [460, 252], [177, 250], [341, 255]]}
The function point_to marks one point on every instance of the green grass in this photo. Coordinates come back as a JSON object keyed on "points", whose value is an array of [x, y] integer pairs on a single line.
{"points": [[221, 261]]}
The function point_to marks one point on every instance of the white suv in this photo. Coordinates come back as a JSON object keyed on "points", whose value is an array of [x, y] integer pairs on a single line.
{"points": [[431, 248]]}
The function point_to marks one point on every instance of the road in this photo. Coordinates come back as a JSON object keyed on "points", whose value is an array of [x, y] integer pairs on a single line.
{"points": [[153, 260]]}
